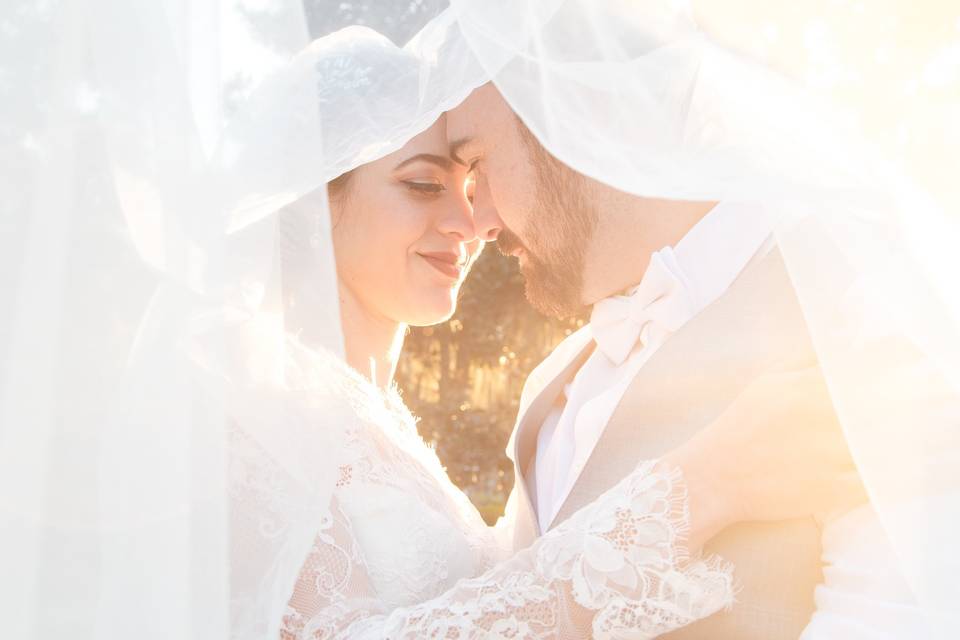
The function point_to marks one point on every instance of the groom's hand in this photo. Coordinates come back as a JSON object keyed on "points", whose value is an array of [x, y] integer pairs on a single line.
{"points": [[777, 452]]}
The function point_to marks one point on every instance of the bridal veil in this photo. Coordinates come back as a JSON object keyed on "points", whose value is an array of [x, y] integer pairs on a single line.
{"points": [[164, 167]]}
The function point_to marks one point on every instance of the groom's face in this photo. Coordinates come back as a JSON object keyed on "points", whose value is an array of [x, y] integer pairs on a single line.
{"points": [[537, 208]]}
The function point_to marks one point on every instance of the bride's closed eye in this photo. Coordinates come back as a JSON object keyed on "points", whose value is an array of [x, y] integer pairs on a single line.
{"points": [[425, 186]]}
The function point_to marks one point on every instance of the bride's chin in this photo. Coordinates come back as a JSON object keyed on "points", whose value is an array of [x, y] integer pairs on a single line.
{"points": [[434, 307]]}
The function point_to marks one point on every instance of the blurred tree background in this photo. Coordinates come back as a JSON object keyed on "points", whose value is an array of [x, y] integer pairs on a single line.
{"points": [[463, 378], [399, 20]]}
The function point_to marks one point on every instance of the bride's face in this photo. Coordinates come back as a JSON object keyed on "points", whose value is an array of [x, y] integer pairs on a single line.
{"points": [[403, 231]]}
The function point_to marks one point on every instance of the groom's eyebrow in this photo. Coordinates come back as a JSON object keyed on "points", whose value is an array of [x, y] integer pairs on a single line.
{"points": [[440, 161], [455, 147]]}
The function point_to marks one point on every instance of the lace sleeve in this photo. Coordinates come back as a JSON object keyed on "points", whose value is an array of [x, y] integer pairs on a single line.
{"points": [[616, 569]]}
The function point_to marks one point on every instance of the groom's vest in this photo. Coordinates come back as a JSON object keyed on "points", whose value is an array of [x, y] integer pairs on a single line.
{"points": [[756, 327]]}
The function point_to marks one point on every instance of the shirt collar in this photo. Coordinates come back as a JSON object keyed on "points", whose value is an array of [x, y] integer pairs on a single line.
{"points": [[713, 253]]}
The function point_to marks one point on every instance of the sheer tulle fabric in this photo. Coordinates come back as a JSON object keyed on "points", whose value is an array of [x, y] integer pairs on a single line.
{"points": [[634, 95], [126, 492], [159, 472]]}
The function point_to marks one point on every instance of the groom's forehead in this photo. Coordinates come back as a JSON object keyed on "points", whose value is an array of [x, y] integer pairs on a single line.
{"points": [[484, 113]]}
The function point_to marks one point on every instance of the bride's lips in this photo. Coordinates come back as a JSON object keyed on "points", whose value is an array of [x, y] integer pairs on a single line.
{"points": [[449, 264]]}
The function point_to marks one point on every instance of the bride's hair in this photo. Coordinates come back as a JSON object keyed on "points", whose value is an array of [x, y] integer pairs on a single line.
{"points": [[336, 190], [337, 186]]}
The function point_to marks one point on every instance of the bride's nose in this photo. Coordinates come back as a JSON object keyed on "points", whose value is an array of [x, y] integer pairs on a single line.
{"points": [[457, 221]]}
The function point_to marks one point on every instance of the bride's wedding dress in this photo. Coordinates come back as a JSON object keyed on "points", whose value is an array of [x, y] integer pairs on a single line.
{"points": [[400, 552]]}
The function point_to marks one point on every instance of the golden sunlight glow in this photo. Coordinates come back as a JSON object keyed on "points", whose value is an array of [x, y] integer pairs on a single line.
{"points": [[893, 65]]}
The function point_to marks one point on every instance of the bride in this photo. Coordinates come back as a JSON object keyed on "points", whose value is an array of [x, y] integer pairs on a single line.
{"points": [[398, 550]]}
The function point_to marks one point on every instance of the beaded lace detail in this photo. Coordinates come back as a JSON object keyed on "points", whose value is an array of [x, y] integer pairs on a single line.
{"points": [[403, 554]]}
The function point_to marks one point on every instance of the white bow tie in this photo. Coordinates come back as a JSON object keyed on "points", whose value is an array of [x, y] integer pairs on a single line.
{"points": [[661, 304]]}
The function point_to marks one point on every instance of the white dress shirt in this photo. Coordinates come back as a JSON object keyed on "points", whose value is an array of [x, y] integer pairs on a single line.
{"points": [[679, 283]]}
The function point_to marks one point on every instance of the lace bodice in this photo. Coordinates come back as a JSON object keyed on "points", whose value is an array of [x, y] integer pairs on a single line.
{"points": [[392, 481], [401, 553]]}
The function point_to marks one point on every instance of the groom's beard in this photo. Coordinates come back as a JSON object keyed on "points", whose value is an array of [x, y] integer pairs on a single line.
{"points": [[555, 252]]}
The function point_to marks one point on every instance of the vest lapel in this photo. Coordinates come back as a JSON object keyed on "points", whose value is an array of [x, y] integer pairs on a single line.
{"points": [[529, 422], [698, 367], [754, 329]]}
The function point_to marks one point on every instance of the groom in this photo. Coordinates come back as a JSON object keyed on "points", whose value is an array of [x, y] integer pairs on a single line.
{"points": [[691, 303]]}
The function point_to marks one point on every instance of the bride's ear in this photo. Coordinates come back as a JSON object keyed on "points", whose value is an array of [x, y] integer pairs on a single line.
{"points": [[338, 190]]}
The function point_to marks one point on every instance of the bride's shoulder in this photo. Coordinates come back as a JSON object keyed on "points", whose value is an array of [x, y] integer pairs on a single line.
{"points": [[257, 363], [320, 374]]}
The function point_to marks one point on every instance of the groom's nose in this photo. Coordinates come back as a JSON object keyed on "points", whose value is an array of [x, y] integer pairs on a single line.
{"points": [[486, 218]]}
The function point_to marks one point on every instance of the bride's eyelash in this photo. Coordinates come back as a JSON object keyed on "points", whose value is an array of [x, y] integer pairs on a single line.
{"points": [[425, 187]]}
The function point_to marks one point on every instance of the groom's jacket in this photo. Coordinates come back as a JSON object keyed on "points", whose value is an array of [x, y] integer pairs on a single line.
{"points": [[755, 328]]}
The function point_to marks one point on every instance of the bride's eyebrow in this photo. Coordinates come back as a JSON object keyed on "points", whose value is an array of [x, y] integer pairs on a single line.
{"points": [[440, 161]]}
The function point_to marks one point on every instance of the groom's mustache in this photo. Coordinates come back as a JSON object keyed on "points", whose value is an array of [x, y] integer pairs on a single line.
{"points": [[508, 243]]}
